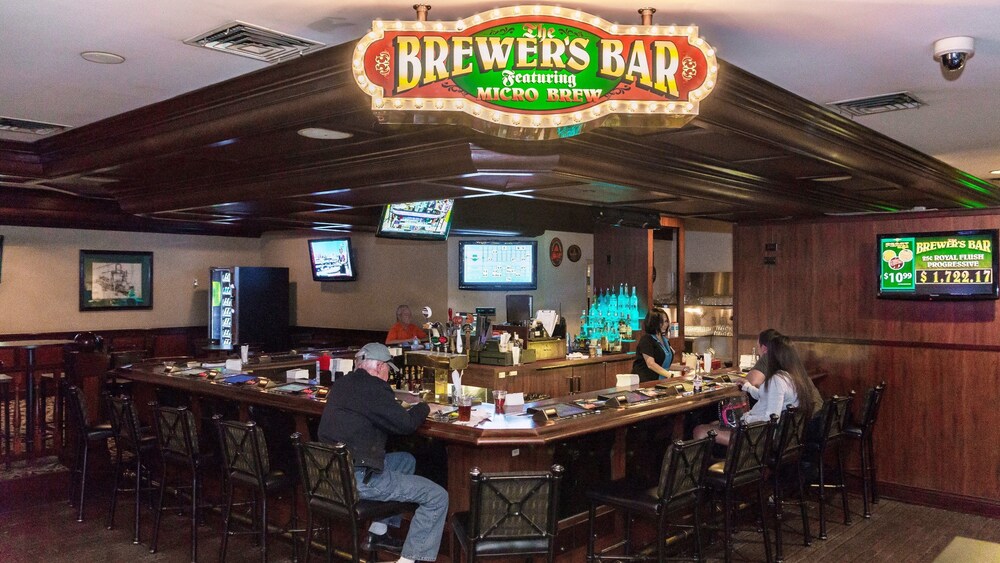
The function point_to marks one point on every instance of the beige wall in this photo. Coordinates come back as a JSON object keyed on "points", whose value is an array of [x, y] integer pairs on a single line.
{"points": [[40, 279], [39, 287], [390, 272]]}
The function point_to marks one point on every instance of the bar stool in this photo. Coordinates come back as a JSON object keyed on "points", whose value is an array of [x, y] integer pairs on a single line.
{"points": [[122, 360], [746, 460], [510, 514], [8, 432], [178, 440], [245, 464], [789, 442], [85, 434], [835, 412], [862, 431], [134, 451], [327, 476], [682, 475]]}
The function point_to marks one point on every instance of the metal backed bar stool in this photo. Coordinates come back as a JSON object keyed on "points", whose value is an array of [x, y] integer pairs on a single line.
{"points": [[246, 465], [835, 413], [746, 460], [85, 434], [682, 475], [134, 449], [862, 432], [328, 481], [789, 442], [510, 514], [8, 431], [178, 439]]}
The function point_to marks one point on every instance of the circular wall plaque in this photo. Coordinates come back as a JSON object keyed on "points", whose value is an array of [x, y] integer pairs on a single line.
{"points": [[573, 253], [556, 252]]}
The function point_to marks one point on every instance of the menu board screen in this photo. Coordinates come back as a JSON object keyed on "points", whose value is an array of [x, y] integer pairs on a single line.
{"points": [[497, 265], [941, 265]]}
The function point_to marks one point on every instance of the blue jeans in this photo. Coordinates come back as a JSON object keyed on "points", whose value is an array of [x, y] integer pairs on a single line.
{"points": [[397, 482]]}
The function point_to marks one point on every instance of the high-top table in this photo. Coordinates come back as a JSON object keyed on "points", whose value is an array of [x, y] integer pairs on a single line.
{"points": [[29, 346]]}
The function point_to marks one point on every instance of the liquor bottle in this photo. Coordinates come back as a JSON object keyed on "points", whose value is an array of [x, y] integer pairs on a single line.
{"points": [[696, 380], [622, 302]]}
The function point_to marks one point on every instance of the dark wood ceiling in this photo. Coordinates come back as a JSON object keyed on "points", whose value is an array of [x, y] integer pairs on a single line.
{"points": [[227, 159]]}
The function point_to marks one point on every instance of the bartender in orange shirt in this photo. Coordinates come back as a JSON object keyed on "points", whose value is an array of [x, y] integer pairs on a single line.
{"points": [[404, 330]]}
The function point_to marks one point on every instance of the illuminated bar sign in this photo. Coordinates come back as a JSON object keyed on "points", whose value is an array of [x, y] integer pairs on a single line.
{"points": [[534, 72]]}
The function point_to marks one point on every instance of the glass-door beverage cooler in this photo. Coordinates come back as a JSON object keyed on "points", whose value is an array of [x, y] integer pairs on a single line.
{"points": [[248, 305]]}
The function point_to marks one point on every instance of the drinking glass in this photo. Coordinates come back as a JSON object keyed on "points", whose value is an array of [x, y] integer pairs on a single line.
{"points": [[464, 408]]}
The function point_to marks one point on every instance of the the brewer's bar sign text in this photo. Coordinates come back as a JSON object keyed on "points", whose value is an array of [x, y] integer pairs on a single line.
{"points": [[535, 68]]}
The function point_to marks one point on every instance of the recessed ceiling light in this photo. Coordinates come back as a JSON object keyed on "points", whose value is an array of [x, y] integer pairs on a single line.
{"points": [[997, 171], [102, 57], [328, 134], [840, 178]]}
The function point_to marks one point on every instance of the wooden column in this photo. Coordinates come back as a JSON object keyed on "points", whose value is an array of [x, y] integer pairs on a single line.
{"points": [[624, 255]]}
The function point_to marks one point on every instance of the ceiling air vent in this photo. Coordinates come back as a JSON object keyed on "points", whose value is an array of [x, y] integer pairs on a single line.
{"points": [[33, 127], [252, 41], [877, 104]]}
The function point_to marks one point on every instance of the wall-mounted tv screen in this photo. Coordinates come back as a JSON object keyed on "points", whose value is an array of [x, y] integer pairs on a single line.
{"points": [[332, 259], [497, 265], [940, 265], [427, 220]]}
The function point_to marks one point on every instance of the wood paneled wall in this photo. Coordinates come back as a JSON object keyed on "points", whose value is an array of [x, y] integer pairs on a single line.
{"points": [[937, 435], [624, 255]]}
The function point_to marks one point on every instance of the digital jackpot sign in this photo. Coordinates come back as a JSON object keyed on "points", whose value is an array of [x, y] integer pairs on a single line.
{"points": [[945, 265]]}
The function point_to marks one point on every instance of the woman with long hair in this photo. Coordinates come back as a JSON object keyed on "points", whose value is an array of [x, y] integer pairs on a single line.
{"points": [[786, 383], [653, 354]]}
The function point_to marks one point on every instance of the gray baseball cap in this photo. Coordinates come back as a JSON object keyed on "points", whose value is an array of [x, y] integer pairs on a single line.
{"points": [[379, 352]]}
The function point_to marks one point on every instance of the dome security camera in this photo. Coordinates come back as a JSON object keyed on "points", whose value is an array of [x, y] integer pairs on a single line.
{"points": [[952, 52]]}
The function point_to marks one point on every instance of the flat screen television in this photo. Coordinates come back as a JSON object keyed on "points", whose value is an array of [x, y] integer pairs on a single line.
{"points": [[949, 265], [332, 259], [498, 265], [422, 220]]}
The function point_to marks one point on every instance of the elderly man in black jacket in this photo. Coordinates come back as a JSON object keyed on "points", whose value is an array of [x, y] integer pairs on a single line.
{"points": [[361, 411]]}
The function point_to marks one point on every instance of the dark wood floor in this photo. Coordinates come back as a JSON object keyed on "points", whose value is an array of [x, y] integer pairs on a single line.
{"points": [[36, 524]]}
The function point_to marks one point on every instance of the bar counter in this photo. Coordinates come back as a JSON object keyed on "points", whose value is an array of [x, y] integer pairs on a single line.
{"points": [[555, 378], [513, 441], [616, 442]]}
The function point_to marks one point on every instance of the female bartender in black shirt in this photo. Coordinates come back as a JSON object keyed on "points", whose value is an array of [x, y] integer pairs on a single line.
{"points": [[653, 354]]}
